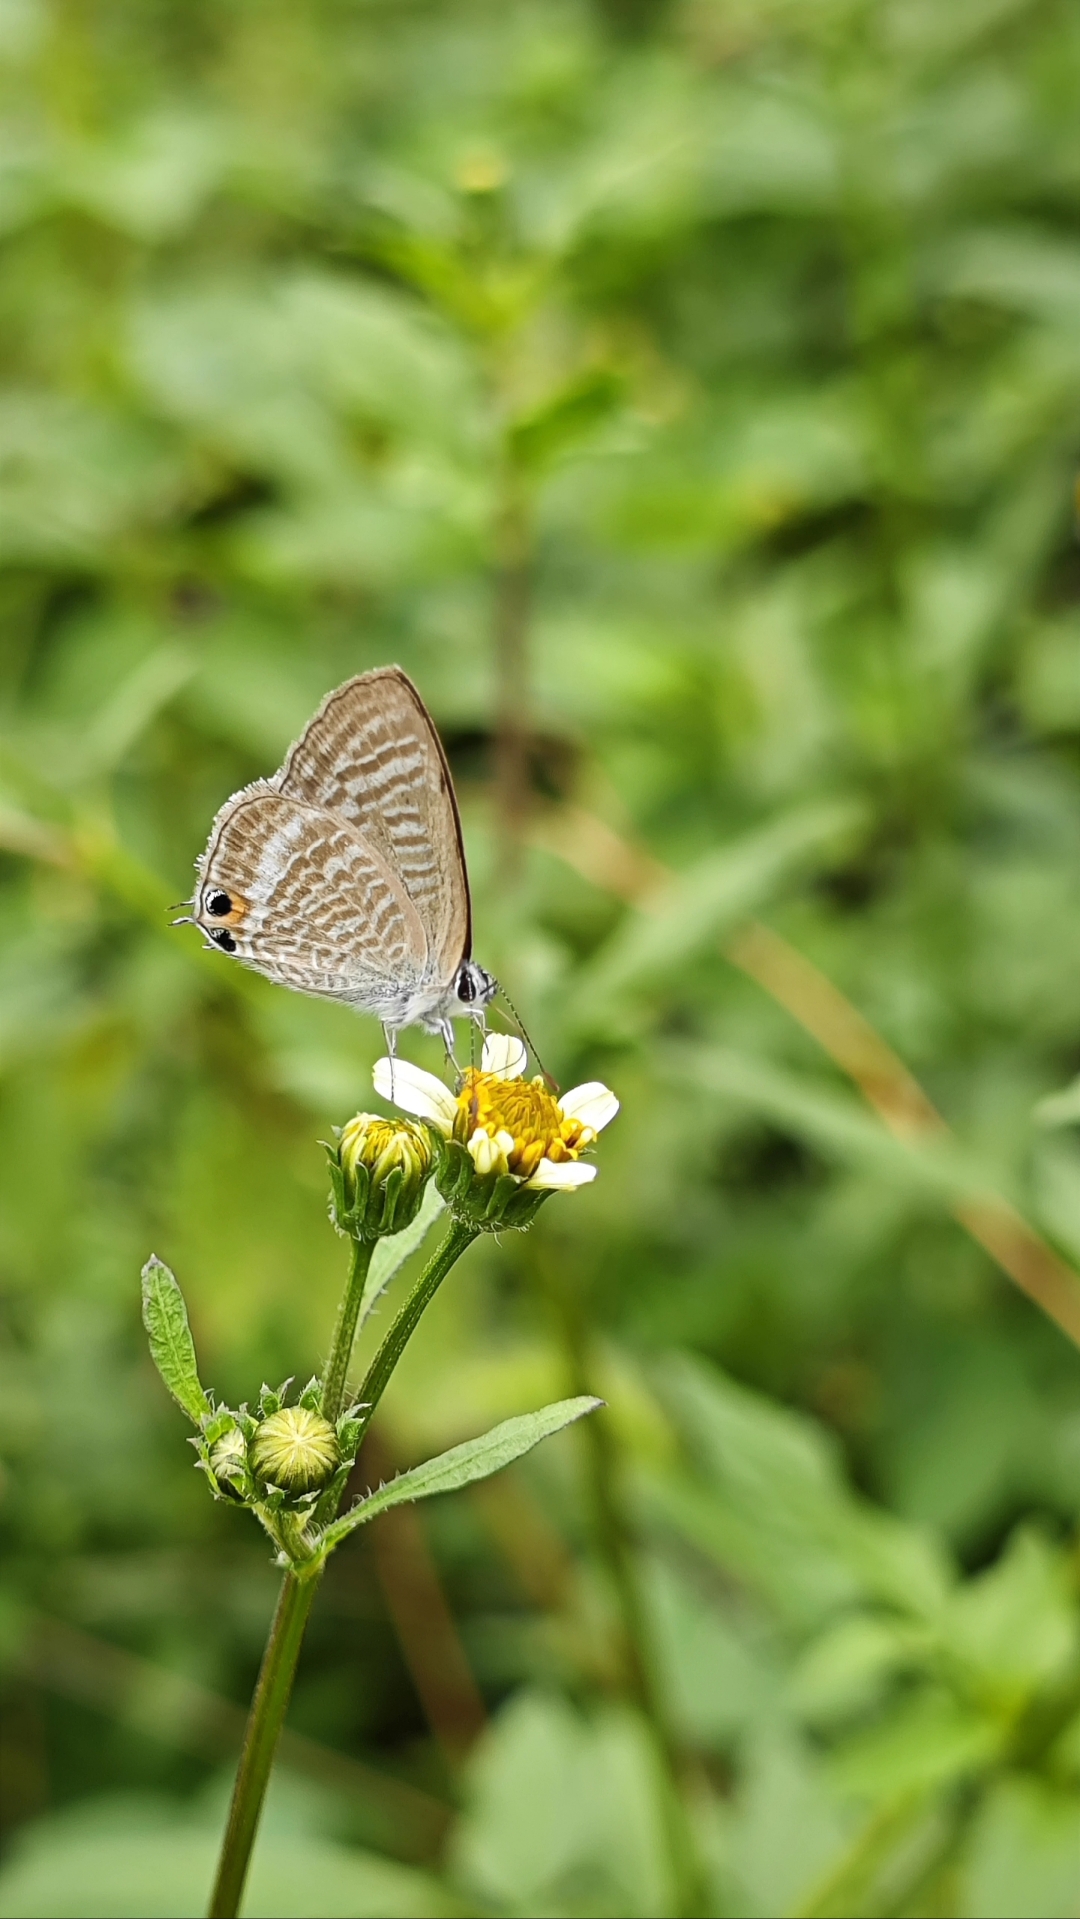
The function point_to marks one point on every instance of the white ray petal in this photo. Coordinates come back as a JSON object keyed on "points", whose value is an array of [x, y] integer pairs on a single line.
{"points": [[562, 1175], [488, 1155], [504, 1056], [594, 1104], [415, 1091]]}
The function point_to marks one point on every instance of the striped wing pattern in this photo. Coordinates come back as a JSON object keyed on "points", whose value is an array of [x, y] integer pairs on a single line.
{"points": [[373, 759], [316, 906]]}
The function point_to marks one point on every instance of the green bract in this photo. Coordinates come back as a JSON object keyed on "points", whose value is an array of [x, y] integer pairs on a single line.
{"points": [[491, 1201]]}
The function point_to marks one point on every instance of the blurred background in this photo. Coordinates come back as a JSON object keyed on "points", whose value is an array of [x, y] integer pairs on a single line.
{"points": [[688, 396]]}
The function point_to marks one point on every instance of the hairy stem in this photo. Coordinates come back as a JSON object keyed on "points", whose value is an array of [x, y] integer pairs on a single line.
{"points": [[274, 1685], [264, 1725], [337, 1364], [378, 1374]]}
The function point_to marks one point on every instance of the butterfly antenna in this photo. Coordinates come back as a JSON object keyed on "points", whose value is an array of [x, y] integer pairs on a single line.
{"points": [[551, 1084]]}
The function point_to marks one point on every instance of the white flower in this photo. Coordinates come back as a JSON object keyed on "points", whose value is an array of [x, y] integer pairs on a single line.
{"points": [[509, 1125]]}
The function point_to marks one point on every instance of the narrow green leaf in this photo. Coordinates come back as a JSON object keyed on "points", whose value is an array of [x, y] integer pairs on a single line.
{"points": [[476, 1459], [1060, 1109], [838, 1125], [707, 900], [390, 1254], [171, 1346]]}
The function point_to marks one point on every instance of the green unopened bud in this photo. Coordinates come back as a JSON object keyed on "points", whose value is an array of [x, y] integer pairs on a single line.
{"points": [[378, 1171], [229, 1462], [295, 1449]]}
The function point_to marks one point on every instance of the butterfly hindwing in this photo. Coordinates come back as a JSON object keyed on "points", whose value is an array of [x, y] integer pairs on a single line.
{"points": [[296, 892]]}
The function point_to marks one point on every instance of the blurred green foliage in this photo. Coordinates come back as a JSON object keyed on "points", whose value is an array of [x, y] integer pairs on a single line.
{"points": [[744, 337]]}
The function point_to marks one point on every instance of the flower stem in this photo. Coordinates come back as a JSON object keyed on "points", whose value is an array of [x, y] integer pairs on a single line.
{"points": [[615, 1549], [260, 1742], [337, 1364], [375, 1383], [271, 1698]]}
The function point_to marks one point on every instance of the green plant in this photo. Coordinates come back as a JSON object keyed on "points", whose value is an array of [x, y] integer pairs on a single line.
{"points": [[289, 1463]]}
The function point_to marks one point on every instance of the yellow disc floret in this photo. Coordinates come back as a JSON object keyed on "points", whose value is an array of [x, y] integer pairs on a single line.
{"points": [[511, 1125], [383, 1146]]}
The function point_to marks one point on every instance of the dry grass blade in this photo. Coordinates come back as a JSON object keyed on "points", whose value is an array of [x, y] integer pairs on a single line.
{"points": [[898, 1098], [602, 856]]}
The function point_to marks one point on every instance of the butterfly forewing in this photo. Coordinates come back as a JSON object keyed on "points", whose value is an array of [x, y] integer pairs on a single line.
{"points": [[309, 901], [371, 756]]}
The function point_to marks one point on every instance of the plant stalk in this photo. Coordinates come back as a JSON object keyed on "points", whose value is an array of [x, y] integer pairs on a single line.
{"points": [[275, 1681], [511, 633], [615, 1548], [378, 1374], [264, 1725], [337, 1364]]}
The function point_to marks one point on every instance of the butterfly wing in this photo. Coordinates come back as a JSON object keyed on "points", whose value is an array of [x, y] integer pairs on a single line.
{"points": [[371, 756], [298, 894]]}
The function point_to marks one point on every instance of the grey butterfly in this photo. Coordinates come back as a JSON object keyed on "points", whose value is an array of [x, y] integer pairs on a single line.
{"points": [[343, 875]]}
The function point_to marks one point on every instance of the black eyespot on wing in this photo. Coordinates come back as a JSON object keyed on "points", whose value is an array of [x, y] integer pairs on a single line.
{"points": [[222, 937], [219, 904]]}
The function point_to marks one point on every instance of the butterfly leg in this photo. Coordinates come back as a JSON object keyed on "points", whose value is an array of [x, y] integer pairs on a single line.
{"points": [[447, 1031], [390, 1034]]}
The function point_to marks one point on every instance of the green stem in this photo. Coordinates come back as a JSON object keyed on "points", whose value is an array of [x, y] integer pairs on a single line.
{"points": [[337, 1364], [271, 1699], [457, 1240], [260, 1742], [615, 1548]]}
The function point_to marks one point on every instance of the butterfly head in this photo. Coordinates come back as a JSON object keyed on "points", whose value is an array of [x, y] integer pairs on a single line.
{"points": [[474, 988]]}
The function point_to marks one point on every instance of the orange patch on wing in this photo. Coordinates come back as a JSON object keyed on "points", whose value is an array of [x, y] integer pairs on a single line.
{"points": [[237, 912]]}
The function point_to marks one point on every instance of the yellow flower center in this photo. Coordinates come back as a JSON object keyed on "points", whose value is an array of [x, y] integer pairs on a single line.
{"points": [[383, 1144], [522, 1120]]}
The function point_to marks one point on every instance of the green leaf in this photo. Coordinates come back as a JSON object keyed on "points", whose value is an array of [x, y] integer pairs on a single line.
{"points": [[391, 1253], [763, 1494], [172, 1348], [583, 404], [1060, 1109], [706, 901], [838, 1125], [476, 1459], [1022, 1856], [126, 1855]]}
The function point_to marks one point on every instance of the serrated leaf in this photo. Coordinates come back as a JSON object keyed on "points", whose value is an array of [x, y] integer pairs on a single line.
{"points": [[462, 1465], [391, 1253], [172, 1348]]}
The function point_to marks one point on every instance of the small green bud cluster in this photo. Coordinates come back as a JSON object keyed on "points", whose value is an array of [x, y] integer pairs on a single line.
{"points": [[279, 1459], [378, 1171], [490, 1201]]}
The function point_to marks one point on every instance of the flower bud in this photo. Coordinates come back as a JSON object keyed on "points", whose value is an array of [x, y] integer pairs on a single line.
{"points": [[378, 1171], [295, 1449], [229, 1463]]}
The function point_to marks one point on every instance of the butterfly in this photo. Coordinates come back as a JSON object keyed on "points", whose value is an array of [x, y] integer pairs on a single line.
{"points": [[343, 875]]}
